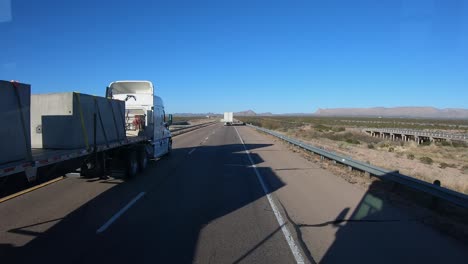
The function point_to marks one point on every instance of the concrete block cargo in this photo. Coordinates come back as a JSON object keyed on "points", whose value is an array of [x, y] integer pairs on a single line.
{"points": [[66, 120], [15, 117], [101, 136]]}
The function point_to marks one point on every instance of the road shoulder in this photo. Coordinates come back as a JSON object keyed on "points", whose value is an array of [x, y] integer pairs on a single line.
{"points": [[336, 219]]}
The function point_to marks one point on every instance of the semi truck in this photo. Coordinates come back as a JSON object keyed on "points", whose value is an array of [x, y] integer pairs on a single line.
{"points": [[230, 121], [66, 132], [228, 118]]}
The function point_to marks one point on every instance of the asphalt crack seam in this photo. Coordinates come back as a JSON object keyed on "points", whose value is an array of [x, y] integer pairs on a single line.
{"points": [[300, 239], [305, 249], [339, 221]]}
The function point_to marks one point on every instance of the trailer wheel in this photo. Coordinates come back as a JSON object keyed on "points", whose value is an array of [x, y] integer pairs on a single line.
{"points": [[85, 169], [169, 147], [131, 169], [142, 159], [93, 167]]}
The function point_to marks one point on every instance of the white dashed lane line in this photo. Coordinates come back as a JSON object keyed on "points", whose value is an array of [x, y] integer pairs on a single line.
{"points": [[119, 213], [191, 151]]}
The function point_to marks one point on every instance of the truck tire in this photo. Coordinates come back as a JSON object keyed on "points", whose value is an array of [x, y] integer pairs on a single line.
{"points": [[93, 167], [142, 159], [131, 168], [169, 147], [85, 170]]}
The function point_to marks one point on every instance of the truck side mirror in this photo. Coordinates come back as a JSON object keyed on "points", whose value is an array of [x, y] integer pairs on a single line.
{"points": [[169, 122], [108, 95]]}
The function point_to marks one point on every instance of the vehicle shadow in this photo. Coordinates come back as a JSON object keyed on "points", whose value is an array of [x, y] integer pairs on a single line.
{"points": [[379, 231], [184, 192]]}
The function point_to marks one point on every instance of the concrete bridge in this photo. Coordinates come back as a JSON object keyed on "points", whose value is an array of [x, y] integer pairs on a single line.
{"points": [[414, 135]]}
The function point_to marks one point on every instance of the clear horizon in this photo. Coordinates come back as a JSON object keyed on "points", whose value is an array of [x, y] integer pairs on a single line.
{"points": [[310, 113], [268, 56]]}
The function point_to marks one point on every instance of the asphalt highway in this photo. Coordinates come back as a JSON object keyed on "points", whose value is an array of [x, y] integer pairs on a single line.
{"points": [[224, 195]]}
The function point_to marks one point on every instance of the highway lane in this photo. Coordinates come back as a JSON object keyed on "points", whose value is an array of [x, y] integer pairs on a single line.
{"points": [[204, 204], [51, 204], [210, 210]]}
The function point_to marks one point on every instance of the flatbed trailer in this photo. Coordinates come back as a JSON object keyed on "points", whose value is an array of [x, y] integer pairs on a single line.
{"points": [[47, 157], [146, 133]]}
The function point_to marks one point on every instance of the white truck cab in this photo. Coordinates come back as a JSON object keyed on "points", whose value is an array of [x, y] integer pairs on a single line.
{"points": [[144, 114]]}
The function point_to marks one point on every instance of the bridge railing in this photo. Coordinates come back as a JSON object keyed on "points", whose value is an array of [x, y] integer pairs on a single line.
{"points": [[436, 191], [419, 133]]}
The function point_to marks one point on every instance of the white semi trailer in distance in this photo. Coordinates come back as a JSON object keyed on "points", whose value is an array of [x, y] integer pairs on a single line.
{"points": [[228, 118], [230, 121]]}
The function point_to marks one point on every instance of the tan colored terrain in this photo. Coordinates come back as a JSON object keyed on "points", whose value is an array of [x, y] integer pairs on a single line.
{"points": [[449, 166], [425, 112]]}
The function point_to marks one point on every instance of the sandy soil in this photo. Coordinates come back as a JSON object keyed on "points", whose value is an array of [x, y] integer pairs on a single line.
{"points": [[453, 178]]}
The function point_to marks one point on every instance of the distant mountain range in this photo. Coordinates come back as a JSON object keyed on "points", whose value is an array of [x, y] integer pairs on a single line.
{"points": [[245, 113], [412, 112], [415, 112], [195, 114], [242, 113], [252, 113]]}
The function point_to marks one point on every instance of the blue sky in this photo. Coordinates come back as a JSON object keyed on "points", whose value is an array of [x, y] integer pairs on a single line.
{"points": [[280, 57]]}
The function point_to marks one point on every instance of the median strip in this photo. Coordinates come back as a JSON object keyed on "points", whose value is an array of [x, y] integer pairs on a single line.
{"points": [[183, 130]]}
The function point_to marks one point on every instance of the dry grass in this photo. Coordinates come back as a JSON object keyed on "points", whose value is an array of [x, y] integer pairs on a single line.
{"points": [[445, 162]]}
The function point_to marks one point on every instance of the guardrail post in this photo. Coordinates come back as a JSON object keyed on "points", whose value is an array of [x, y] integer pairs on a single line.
{"points": [[350, 168], [367, 174]]}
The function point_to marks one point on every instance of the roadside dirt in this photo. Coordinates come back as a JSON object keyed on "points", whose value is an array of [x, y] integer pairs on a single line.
{"points": [[449, 164]]}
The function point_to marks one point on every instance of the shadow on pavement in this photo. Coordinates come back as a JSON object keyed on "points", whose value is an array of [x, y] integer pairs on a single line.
{"points": [[184, 193], [23, 230], [241, 258], [378, 232]]}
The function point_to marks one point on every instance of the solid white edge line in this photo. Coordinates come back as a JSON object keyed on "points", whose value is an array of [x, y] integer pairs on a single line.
{"points": [[119, 213], [287, 235]]}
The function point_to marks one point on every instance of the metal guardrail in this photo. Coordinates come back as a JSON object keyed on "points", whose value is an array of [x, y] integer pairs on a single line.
{"points": [[186, 129], [402, 123], [419, 133], [457, 198]]}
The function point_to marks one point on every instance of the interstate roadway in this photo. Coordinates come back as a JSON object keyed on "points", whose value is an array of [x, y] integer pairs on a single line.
{"points": [[225, 195]]}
